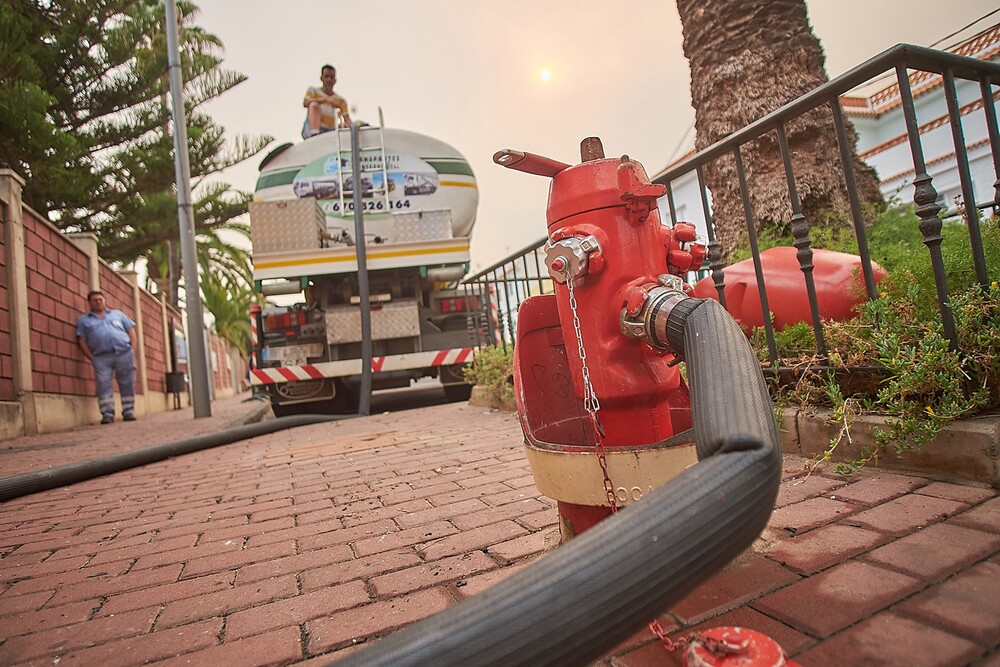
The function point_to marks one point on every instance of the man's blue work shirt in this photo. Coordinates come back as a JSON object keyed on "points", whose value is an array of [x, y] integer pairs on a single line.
{"points": [[105, 334]]}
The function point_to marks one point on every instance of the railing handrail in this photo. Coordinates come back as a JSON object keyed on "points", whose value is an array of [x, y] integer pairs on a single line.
{"points": [[509, 258], [914, 57]]}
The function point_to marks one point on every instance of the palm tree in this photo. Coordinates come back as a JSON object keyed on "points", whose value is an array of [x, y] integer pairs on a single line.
{"points": [[229, 304], [747, 59]]}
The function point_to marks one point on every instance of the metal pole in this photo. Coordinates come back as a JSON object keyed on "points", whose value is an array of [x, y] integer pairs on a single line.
{"points": [[197, 355], [364, 402]]}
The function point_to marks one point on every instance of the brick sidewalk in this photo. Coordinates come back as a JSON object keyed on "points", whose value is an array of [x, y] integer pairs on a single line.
{"points": [[297, 546]]}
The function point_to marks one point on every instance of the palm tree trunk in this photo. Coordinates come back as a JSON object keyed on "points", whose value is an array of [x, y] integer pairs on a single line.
{"points": [[747, 59]]}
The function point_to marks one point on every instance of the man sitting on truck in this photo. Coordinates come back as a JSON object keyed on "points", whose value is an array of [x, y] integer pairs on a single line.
{"points": [[322, 104]]}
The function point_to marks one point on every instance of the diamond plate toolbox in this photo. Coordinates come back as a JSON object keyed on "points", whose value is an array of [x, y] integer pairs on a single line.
{"points": [[290, 224], [389, 320], [427, 225]]}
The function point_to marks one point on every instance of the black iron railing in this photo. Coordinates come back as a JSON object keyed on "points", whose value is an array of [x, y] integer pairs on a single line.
{"points": [[505, 284]]}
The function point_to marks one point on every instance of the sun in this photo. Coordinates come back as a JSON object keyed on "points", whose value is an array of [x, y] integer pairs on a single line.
{"points": [[545, 75]]}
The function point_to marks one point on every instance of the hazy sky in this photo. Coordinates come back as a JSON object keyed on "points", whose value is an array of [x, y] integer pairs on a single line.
{"points": [[469, 72]]}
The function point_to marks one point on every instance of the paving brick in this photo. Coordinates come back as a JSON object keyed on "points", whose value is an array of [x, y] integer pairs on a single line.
{"points": [[906, 514], [148, 648], [347, 535], [177, 590], [495, 514], [803, 488], [501, 498], [295, 564], [809, 514], [396, 496], [832, 600], [436, 573], [60, 582], [470, 540], [430, 514], [295, 610], [227, 601], [982, 517], [879, 488], [936, 552], [891, 641], [368, 566], [172, 556], [59, 641], [732, 587], [403, 538], [247, 530], [362, 622], [538, 520], [357, 517], [962, 492], [485, 492], [19, 604], [824, 547], [108, 585], [279, 647], [42, 620], [522, 547], [967, 604], [234, 559]]}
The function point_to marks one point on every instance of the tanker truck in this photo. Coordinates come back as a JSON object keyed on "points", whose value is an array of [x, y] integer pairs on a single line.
{"points": [[419, 199]]}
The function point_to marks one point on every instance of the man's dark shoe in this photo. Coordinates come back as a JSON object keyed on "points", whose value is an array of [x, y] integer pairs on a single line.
{"points": [[128, 418], [107, 420]]}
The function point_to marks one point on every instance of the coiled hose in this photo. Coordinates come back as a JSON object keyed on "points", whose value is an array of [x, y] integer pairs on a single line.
{"points": [[583, 599]]}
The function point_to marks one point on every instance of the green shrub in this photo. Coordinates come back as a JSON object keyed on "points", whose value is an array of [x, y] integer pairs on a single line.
{"points": [[493, 368], [922, 383]]}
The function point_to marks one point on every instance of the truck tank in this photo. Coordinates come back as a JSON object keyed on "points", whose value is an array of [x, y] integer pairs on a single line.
{"points": [[423, 174]]}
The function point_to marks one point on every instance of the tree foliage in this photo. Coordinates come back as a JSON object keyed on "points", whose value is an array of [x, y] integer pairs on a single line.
{"points": [[85, 119]]}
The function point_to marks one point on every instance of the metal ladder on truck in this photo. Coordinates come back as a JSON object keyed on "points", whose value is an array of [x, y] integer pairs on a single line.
{"points": [[373, 161]]}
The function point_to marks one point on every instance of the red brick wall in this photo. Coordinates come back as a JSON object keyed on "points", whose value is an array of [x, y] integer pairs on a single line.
{"points": [[154, 340], [57, 284], [6, 360], [57, 280]]}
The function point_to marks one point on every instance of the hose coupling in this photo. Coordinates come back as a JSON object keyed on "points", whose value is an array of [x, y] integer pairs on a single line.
{"points": [[650, 323]]}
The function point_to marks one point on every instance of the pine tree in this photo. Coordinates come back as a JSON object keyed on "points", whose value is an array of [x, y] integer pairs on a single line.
{"points": [[85, 119]]}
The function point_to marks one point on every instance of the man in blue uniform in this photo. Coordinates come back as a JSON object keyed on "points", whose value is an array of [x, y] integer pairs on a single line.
{"points": [[107, 337]]}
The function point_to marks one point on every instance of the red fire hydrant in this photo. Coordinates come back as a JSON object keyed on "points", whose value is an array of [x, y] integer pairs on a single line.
{"points": [[584, 380]]}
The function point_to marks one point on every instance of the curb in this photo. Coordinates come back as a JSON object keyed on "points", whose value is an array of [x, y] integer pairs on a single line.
{"points": [[965, 450], [257, 413]]}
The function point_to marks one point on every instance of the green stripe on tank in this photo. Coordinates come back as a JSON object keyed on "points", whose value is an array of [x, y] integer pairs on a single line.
{"points": [[456, 167], [276, 179]]}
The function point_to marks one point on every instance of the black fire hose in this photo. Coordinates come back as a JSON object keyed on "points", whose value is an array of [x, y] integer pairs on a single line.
{"points": [[586, 597], [51, 478]]}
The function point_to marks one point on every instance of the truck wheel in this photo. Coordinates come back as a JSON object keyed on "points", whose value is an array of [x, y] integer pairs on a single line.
{"points": [[346, 400], [457, 392], [290, 410]]}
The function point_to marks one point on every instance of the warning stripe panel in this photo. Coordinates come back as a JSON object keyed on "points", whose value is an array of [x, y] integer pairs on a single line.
{"points": [[333, 369]]}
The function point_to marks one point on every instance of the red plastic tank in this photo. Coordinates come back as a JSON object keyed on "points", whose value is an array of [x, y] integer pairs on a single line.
{"points": [[840, 287]]}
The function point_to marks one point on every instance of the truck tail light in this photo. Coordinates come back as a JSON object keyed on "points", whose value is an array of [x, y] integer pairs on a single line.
{"points": [[286, 320], [457, 304]]}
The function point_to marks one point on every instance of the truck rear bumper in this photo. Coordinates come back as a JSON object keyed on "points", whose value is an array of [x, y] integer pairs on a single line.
{"points": [[334, 369]]}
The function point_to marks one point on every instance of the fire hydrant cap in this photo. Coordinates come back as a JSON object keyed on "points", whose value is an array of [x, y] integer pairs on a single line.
{"points": [[750, 649], [583, 187]]}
